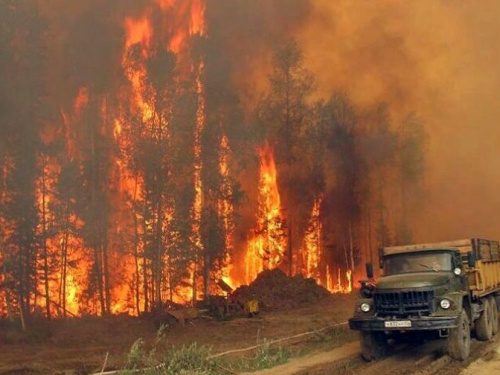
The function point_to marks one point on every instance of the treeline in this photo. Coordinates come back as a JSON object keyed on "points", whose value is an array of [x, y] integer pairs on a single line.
{"points": [[123, 175]]}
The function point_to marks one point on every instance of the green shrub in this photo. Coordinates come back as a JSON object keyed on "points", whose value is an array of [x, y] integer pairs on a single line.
{"points": [[136, 356], [267, 356], [264, 357], [192, 359], [187, 360]]}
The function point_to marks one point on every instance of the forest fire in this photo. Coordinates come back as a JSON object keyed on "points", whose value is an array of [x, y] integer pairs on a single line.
{"points": [[157, 181], [267, 245], [312, 243]]}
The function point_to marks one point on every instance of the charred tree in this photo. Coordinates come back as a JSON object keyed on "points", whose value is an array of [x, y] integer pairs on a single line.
{"points": [[220, 192], [93, 198], [45, 234], [63, 207], [284, 112], [23, 67], [412, 163], [380, 144]]}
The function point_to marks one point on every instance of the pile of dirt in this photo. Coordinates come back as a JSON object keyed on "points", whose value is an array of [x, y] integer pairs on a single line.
{"points": [[275, 290]]}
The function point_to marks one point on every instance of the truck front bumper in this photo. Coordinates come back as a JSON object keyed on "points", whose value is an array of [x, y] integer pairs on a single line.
{"points": [[416, 324]]}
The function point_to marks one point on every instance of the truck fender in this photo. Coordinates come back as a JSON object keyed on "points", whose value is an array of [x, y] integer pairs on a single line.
{"points": [[472, 309], [461, 301]]}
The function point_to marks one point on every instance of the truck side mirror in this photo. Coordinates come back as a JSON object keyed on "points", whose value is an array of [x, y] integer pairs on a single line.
{"points": [[369, 270], [471, 259]]}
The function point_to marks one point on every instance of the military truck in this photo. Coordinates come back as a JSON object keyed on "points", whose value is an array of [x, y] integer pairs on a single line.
{"points": [[446, 290]]}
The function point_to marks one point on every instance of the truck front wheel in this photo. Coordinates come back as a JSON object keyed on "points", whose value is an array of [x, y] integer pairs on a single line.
{"points": [[459, 338], [373, 345], [484, 324]]}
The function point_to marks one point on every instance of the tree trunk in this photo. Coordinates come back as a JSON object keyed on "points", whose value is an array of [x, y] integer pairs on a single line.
{"points": [[64, 259], [96, 242], [145, 268], [159, 254], [44, 245], [381, 206], [351, 246], [2, 248], [136, 246], [98, 278], [21, 313], [106, 278], [206, 273], [64, 265], [369, 225], [8, 303], [290, 250], [21, 286], [195, 272], [136, 263]]}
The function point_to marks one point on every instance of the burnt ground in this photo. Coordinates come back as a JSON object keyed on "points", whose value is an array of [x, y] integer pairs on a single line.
{"points": [[80, 345]]}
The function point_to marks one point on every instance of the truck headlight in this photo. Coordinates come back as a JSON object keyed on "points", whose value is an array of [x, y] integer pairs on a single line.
{"points": [[365, 307], [445, 303]]}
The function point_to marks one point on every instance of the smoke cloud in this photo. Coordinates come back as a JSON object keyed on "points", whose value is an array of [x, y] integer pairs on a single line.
{"points": [[441, 59]]}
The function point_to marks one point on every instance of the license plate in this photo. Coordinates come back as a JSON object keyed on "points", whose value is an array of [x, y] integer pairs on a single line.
{"points": [[398, 324]]}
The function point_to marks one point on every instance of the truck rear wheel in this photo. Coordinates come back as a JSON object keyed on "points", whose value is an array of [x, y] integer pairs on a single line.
{"points": [[459, 338], [494, 310], [373, 345], [484, 324]]}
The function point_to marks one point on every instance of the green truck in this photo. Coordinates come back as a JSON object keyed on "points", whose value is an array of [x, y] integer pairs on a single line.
{"points": [[444, 290]]}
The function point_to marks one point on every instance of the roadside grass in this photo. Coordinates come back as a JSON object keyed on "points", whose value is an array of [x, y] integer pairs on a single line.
{"points": [[198, 360], [331, 338], [322, 341], [186, 360], [265, 356]]}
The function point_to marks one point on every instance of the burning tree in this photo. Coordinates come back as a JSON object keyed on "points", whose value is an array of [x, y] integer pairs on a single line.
{"points": [[285, 113]]}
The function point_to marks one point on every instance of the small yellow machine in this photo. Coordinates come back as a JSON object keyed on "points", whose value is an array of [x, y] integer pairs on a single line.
{"points": [[252, 307]]}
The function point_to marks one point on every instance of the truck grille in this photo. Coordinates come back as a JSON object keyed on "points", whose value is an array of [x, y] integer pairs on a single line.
{"points": [[404, 303]]}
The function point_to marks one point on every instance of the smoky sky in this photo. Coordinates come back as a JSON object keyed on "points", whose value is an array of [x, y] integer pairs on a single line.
{"points": [[440, 59]]}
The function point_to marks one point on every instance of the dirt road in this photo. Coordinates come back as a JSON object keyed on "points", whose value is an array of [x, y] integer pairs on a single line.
{"points": [[489, 363], [297, 365], [406, 359]]}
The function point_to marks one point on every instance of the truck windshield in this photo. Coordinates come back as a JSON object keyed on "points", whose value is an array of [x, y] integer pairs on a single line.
{"points": [[419, 262]]}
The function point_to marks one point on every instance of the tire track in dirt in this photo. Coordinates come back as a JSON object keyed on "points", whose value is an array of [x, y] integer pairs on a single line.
{"points": [[424, 359], [296, 365], [451, 367]]}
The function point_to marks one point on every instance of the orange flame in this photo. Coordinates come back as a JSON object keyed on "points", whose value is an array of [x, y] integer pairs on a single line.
{"points": [[194, 12], [81, 100], [311, 255], [225, 210], [339, 286], [311, 250], [138, 31], [265, 249]]}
